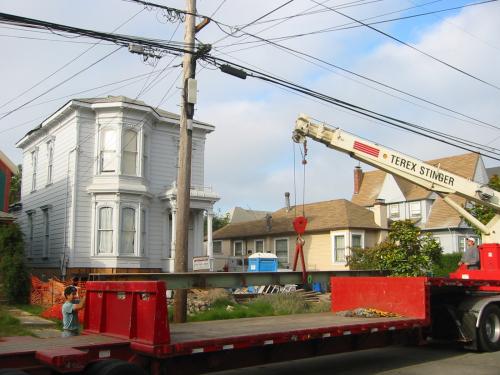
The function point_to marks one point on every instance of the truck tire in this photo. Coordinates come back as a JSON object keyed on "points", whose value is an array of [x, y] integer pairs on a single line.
{"points": [[114, 367], [96, 367], [122, 368], [489, 329]]}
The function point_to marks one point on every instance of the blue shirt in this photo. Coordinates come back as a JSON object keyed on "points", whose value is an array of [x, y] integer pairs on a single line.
{"points": [[70, 317]]}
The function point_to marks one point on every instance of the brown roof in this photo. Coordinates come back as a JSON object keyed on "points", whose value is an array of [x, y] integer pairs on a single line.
{"points": [[371, 184], [442, 215], [321, 216]]}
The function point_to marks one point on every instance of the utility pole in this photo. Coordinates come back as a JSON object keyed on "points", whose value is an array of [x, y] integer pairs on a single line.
{"points": [[184, 173]]}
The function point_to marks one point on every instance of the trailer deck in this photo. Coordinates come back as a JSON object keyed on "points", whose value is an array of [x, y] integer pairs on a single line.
{"points": [[196, 335], [74, 353]]}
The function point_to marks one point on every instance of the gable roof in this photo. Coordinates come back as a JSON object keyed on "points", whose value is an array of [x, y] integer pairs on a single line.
{"points": [[442, 215], [321, 216], [238, 214], [8, 163], [463, 165]]}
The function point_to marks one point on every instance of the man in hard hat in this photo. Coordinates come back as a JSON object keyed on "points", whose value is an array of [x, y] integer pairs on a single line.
{"points": [[471, 255]]}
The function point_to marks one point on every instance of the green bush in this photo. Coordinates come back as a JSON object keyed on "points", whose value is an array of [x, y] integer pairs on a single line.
{"points": [[447, 264], [11, 326], [406, 252], [13, 271]]}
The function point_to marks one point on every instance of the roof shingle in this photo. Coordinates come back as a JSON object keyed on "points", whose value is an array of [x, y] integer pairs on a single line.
{"points": [[328, 215]]}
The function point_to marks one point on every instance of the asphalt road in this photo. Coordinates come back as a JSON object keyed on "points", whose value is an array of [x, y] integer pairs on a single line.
{"points": [[429, 360]]}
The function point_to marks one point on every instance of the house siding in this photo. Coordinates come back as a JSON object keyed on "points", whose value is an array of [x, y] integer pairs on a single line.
{"points": [[55, 196], [82, 210], [317, 251]]}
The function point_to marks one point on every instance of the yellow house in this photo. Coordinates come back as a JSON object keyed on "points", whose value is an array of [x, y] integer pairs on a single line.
{"points": [[334, 227]]}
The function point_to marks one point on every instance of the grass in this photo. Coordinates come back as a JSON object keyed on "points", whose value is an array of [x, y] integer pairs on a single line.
{"points": [[11, 326], [32, 309], [266, 305]]}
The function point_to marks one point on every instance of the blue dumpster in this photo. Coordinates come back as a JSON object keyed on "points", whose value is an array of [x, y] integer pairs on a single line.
{"points": [[262, 262]]}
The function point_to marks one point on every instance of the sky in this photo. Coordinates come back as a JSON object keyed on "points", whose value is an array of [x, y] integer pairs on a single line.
{"points": [[250, 159]]}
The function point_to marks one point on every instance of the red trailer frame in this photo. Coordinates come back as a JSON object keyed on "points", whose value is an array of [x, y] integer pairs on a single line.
{"points": [[128, 321]]}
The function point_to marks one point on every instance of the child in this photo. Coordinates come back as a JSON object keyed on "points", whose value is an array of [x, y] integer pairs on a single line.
{"points": [[70, 312]]}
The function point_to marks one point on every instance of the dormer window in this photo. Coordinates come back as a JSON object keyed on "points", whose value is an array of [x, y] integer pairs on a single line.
{"points": [[394, 211], [415, 210], [129, 156], [107, 156]]}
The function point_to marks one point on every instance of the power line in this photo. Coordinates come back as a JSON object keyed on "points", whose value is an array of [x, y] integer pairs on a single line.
{"points": [[253, 22], [217, 9], [119, 39], [60, 83], [467, 32], [292, 51], [68, 63], [295, 52], [171, 37], [353, 25], [306, 13], [408, 126], [413, 47], [135, 78], [51, 40], [340, 103]]}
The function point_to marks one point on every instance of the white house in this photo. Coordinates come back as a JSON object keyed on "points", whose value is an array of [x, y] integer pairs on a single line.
{"points": [[98, 190]]}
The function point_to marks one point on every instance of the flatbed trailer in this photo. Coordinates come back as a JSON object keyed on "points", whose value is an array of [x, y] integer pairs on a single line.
{"points": [[127, 331]]}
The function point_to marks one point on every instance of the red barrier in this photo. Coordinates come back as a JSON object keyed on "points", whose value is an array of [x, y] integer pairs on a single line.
{"points": [[135, 310], [405, 296]]}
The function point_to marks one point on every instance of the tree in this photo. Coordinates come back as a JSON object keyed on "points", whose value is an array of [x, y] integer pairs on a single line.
{"points": [[484, 213], [219, 220], [13, 271], [15, 186], [405, 252]]}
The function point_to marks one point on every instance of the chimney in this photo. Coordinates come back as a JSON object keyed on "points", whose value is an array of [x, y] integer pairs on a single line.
{"points": [[287, 201], [269, 222], [358, 177], [380, 213]]}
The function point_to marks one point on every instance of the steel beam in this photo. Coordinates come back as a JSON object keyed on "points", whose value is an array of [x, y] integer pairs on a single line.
{"points": [[189, 280]]}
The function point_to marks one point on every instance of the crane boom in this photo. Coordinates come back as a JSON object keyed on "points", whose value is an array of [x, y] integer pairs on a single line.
{"points": [[428, 176]]}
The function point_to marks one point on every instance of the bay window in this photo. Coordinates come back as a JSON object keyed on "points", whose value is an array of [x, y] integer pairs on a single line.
{"points": [[143, 232], [356, 241], [145, 157], [105, 230], [129, 155], [127, 231], [107, 155], [339, 248]]}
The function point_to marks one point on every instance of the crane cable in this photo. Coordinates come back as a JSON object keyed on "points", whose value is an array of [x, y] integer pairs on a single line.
{"points": [[300, 222]]}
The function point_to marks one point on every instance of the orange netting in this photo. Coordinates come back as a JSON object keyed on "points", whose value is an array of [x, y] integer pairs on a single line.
{"points": [[51, 294]]}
